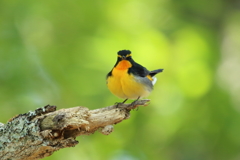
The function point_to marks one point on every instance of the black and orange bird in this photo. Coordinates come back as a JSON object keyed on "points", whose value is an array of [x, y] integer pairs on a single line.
{"points": [[130, 80]]}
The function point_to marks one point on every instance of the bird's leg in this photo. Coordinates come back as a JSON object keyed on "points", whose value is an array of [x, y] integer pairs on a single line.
{"points": [[124, 101], [118, 103], [134, 102]]}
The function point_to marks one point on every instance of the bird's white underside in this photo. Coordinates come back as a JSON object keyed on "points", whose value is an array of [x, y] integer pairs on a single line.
{"points": [[154, 80]]}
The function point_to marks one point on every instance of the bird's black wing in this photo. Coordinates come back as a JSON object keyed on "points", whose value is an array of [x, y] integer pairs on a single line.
{"points": [[109, 74], [139, 70]]}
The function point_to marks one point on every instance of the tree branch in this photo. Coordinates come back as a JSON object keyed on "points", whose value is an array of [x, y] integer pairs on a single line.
{"points": [[35, 135]]}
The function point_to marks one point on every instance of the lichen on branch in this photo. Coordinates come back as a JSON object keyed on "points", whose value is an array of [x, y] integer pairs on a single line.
{"points": [[37, 134]]}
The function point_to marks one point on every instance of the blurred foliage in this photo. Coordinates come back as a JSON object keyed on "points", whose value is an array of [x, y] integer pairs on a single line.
{"points": [[59, 52]]}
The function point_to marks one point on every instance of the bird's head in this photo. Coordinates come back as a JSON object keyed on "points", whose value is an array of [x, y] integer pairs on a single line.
{"points": [[124, 55]]}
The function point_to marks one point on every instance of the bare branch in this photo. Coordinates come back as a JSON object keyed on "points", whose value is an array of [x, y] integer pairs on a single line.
{"points": [[35, 135]]}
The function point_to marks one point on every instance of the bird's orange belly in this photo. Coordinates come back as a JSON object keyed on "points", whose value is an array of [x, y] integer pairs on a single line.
{"points": [[124, 85]]}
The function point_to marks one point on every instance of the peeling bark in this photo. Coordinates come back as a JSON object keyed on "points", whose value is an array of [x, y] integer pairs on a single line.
{"points": [[37, 134]]}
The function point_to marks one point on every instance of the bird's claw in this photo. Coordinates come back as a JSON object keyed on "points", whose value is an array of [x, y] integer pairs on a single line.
{"points": [[118, 103]]}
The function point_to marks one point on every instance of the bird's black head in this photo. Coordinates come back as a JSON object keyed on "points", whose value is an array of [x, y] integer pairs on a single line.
{"points": [[124, 55]]}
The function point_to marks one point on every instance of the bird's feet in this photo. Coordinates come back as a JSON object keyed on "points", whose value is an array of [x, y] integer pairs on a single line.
{"points": [[134, 102], [120, 103]]}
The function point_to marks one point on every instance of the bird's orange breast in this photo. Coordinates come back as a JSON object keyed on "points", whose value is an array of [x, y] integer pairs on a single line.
{"points": [[123, 65]]}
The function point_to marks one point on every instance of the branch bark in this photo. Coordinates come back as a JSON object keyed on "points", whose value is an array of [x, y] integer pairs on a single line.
{"points": [[38, 134]]}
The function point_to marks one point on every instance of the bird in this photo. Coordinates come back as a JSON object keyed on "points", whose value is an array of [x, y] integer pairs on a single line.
{"points": [[130, 80]]}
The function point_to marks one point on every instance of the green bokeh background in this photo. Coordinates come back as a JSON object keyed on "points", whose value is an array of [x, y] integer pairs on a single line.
{"points": [[59, 52]]}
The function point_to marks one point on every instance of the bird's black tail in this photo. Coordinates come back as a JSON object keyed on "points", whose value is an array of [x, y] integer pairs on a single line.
{"points": [[154, 72]]}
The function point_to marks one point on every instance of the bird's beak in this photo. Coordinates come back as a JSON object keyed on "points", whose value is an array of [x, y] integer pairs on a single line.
{"points": [[123, 57]]}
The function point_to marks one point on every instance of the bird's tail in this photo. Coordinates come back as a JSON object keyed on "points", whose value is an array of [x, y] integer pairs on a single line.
{"points": [[154, 72]]}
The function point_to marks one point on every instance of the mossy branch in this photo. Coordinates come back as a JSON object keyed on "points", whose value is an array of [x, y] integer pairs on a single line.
{"points": [[38, 134]]}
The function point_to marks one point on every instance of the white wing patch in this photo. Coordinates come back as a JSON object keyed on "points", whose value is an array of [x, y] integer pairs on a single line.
{"points": [[154, 80]]}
